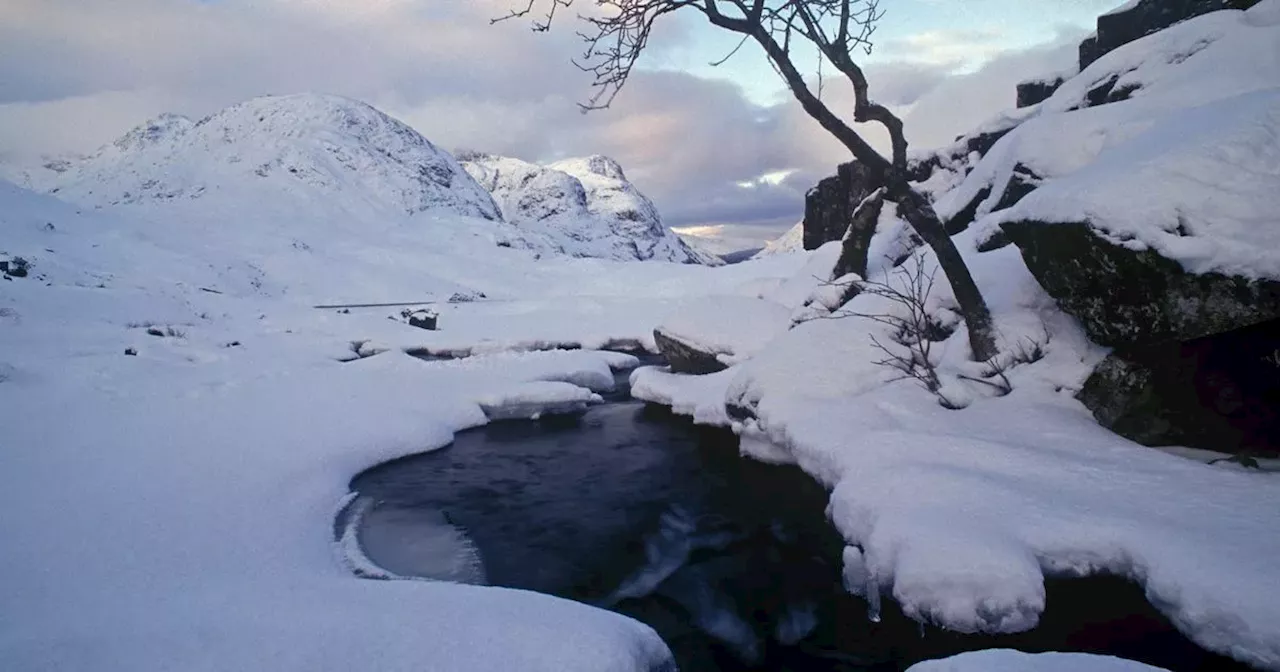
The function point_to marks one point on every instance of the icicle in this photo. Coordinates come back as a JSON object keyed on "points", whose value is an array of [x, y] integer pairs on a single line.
{"points": [[873, 598]]}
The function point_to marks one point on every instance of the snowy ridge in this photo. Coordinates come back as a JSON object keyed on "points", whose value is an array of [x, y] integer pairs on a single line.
{"points": [[580, 207], [791, 241], [308, 146]]}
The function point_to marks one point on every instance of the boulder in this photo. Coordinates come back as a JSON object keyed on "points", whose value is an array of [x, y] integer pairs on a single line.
{"points": [[1132, 297], [685, 357], [15, 267]]}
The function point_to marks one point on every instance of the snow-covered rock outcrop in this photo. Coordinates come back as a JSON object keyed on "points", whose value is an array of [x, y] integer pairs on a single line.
{"points": [[580, 207], [307, 147]]}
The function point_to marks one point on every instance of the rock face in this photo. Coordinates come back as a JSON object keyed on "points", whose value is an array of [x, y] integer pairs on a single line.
{"points": [[829, 207], [685, 357], [580, 207]]}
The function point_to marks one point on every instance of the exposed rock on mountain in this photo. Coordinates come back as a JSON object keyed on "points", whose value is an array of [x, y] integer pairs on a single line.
{"points": [[581, 207]]}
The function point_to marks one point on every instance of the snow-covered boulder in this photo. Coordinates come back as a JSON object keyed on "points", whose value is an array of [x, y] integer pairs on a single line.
{"points": [[310, 146], [580, 207], [709, 335]]}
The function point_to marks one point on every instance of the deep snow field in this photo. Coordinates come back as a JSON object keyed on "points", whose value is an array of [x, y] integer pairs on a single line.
{"points": [[173, 509], [179, 422]]}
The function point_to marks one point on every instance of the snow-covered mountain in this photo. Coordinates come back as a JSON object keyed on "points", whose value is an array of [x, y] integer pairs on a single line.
{"points": [[311, 148], [306, 160], [583, 207]]}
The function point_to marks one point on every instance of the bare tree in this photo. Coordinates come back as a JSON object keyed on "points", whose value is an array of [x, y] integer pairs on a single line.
{"points": [[618, 34]]}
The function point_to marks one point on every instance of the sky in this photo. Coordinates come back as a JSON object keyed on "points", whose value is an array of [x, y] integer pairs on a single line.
{"points": [[724, 150]]}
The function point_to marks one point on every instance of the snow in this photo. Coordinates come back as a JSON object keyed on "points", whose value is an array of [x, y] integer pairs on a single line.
{"points": [[699, 397], [174, 509], [1005, 660], [730, 327], [1198, 186]]}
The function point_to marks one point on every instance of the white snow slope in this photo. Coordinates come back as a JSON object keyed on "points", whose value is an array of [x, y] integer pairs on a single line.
{"points": [[959, 514], [580, 207], [791, 241], [173, 509]]}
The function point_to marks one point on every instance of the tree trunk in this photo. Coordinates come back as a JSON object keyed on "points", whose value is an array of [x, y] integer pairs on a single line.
{"points": [[915, 208]]}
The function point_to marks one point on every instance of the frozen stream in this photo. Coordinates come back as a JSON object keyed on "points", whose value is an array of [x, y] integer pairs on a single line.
{"points": [[732, 561]]}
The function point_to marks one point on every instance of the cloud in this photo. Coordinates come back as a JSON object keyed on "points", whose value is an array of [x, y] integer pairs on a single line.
{"points": [[78, 73], [952, 49]]}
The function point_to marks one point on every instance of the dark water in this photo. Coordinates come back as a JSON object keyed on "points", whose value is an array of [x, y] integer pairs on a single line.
{"points": [[730, 560]]}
